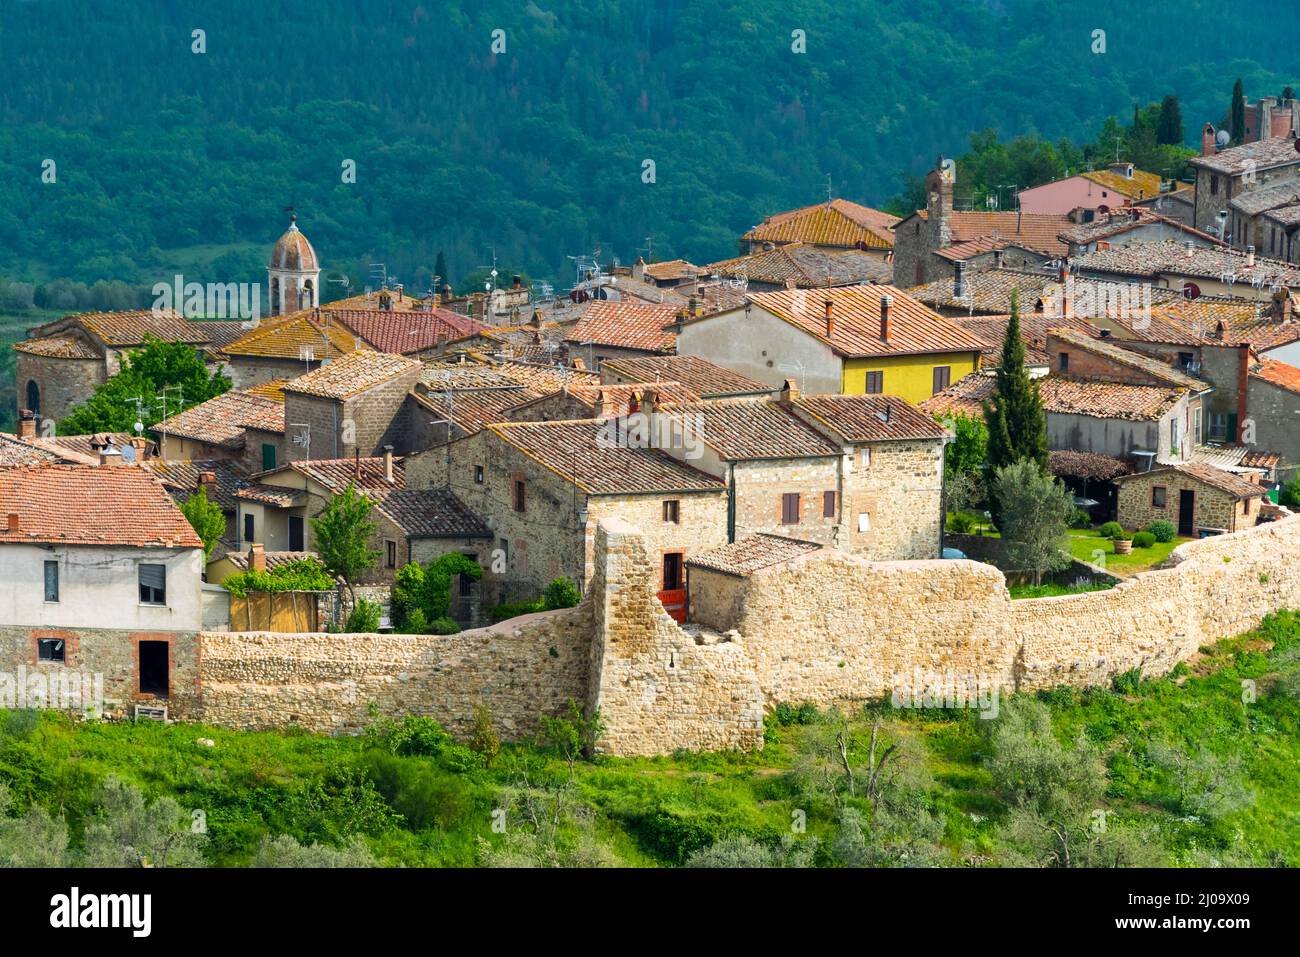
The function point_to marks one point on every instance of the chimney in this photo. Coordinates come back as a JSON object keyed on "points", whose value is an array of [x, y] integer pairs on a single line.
{"points": [[649, 402], [256, 558], [26, 424], [830, 319], [694, 307], [885, 303], [517, 282], [638, 269], [207, 479], [388, 464], [1190, 248], [13, 521], [789, 392], [536, 320], [110, 456], [399, 292], [1207, 140], [959, 280], [142, 448], [1250, 257], [444, 294], [1282, 305]]}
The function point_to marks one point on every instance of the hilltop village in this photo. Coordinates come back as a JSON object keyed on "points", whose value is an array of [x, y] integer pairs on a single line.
{"points": [[682, 492]]}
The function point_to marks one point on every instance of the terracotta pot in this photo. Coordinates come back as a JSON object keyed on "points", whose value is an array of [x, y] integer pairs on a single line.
{"points": [[1123, 546]]}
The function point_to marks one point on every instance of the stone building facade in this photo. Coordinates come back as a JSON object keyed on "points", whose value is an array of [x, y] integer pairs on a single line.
{"points": [[1196, 498]]}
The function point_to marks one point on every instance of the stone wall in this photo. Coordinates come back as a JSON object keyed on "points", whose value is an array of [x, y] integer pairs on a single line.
{"points": [[63, 384]]}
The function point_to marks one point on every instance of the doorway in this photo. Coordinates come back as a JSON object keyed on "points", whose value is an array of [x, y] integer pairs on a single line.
{"points": [[295, 533], [155, 668], [672, 570], [1186, 512]]}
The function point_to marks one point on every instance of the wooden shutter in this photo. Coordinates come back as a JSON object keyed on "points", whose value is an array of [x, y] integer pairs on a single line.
{"points": [[828, 505]]}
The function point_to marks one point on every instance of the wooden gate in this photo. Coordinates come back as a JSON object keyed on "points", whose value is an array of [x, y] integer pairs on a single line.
{"points": [[674, 602]]}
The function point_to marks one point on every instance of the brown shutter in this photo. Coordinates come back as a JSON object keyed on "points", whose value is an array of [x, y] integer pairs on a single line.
{"points": [[828, 505]]}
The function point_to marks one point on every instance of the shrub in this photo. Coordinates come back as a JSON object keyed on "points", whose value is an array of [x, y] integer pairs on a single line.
{"points": [[514, 609], [364, 618], [963, 523], [301, 574], [788, 714], [442, 626], [1080, 519], [1110, 530], [1163, 531], [560, 593], [1143, 540]]}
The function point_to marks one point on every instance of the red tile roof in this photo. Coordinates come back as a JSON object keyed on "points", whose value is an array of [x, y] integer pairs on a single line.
{"points": [[751, 429], [630, 325], [748, 555], [1281, 374], [294, 335], [1234, 485], [365, 473], [836, 223], [132, 327], [701, 376], [1064, 396], [351, 374], [404, 332], [1033, 231], [223, 419], [59, 347], [870, 418], [91, 505], [806, 266], [914, 329]]}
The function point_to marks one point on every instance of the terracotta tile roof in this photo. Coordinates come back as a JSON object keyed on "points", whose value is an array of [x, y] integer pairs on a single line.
{"points": [[430, 513], [1280, 374], [1089, 465], [578, 451], [1234, 485], [471, 409], [806, 266], [603, 401], [672, 269], [1107, 400], [273, 390], [1236, 458], [286, 337], [706, 379], [748, 555], [1263, 154], [92, 505], [464, 375], [626, 324], [1134, 360], [85, 448], [16, 451], [351, 374], [546, 378], [1172, 258], [751, 429], [133, 327], [223, 419], [1127, 220], [365, 473], [368, 301], [273, 559], [1256, 201], [404, 332], [1033, 231], [1154, 328], [279, 496], [837, 223], [220, 332], [182, 478], [870, 418], [992, 330], [1141, 185], [970, 248], [914, 329], [59, 347], [1062, 395]]}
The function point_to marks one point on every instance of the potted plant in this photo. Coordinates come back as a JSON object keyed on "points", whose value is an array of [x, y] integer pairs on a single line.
{"points": [[1123, 543]]}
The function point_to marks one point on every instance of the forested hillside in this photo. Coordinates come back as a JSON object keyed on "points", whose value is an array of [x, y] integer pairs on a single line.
{"points": [[169, 159]]}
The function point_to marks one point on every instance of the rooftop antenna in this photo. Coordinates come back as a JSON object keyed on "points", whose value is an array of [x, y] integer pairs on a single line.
{"points": [[830, 193], [302, 438], [379, 271], [162, 395]]}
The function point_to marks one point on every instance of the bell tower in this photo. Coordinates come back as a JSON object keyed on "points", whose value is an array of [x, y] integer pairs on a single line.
{"points": [[293, 274]]}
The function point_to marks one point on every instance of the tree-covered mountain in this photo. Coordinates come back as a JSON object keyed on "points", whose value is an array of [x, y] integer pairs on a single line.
{"points": [[168, 159]]}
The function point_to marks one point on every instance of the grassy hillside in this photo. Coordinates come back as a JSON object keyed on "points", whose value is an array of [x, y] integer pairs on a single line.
{"points": [[537, 151], [1198, 767]]}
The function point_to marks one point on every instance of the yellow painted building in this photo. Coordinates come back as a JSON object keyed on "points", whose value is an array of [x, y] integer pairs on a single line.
{"points": [[914, 378]]}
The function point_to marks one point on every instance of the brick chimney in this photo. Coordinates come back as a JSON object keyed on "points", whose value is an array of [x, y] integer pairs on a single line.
{"points": [[830, 319], [388, 464], [789, 392], [207, 480], [886, 303], [517, 282], [142, 448], [13, 521], [26, 424], [1282, 305], [110, 456], [649, 402], [257, 558], [694, 307], [1207, 140]]}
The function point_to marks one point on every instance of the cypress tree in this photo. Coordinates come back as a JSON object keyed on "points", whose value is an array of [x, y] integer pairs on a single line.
{"points": [[440, 270], [1237, 114], [1169, 131], [1014, 414]]}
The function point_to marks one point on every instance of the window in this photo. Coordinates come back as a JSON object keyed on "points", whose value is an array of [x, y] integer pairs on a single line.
{"points": [[1157, 496], [248, 529], [33, 397], [864, 522], [1065, 361], [1214, 185], [51, 581], [673, 571], [875, 383], [268, 456], [153, 584], [790, 508], [866, 457], [50, 649], [1218, 426], [1196, 425], [295, 533], [521, 495], [390, 553], [478, 475], [942, 376], [1185, 359], [828, 504], [672, 511]]}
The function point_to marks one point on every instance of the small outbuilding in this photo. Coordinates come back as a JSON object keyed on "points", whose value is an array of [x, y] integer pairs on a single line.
{"points": [[1199, 499]]}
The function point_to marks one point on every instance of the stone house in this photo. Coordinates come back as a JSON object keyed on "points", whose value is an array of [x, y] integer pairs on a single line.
{"points": [[706, 379], [238, 425], [1274, 398], [1199, 499], [835, 225], [1191, 270], [543, 487], [851, 340], [285, 347], [61, 363], [621, 328], [919, 238], [353, 405], [1135, 225], [1223, 175]]}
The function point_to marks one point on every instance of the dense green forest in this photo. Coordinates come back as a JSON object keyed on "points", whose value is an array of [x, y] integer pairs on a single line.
{"points": [[168, 159]]}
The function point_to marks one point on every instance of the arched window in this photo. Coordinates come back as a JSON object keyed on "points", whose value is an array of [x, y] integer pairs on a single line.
{"points": [[34, 396], [309, 290]]}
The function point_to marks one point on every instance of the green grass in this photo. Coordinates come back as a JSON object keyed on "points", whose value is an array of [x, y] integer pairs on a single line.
{"points": [[1052, 590], [655, 811], [1086, 545]]}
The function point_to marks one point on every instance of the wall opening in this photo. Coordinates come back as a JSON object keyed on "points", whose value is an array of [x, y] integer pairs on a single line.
{"points": [[155, 668]]}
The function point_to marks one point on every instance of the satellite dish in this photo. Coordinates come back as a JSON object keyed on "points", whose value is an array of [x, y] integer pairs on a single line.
{"points": [[128, 453], [948, 164], [1221, 138]]}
